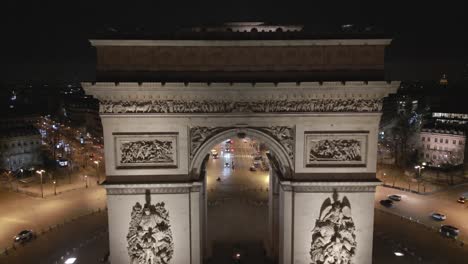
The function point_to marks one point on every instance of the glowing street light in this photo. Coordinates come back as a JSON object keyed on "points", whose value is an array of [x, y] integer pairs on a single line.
{"points": [[70, 261], [55, 187], [40, 172], [86, 180], [398, 254], [97, 171]]}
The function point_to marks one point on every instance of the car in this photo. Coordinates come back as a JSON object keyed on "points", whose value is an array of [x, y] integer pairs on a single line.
{"points": [[449, 231], [226, 165], [386, 203], [24, 236], [438, 216], [462, 199], [395, 197], [252, 168], [214, 153]]}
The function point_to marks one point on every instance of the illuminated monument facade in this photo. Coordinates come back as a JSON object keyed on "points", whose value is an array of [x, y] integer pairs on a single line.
{"points": [[315, 102]]}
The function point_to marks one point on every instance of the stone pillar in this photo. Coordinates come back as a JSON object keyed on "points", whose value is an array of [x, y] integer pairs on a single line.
{"points": [[170, 212], [285, 225], [314, 212]]}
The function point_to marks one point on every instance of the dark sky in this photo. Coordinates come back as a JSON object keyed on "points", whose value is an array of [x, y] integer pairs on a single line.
{"points": [[46, 41]]}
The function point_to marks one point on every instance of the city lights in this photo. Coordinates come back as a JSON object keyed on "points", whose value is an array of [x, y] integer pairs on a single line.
{"points": [[70, 261]]}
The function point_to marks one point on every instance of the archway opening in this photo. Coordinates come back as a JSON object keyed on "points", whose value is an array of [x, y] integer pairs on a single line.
{"points": [[237, 184], [241, 172]]}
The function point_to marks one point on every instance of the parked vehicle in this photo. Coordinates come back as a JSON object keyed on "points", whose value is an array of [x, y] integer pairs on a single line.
{"points": [[24, 236], [227, 165], [252, 168], [386, 203], [395, 197], [438, 216], [449, 231], [462, 199]]}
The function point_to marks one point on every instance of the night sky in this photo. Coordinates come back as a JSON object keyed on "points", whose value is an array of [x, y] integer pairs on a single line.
{"points": [[46, 41]]}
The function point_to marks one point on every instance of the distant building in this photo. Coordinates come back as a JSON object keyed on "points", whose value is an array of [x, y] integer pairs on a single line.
{"points": [[20, 148], [459, 120], [442, 147], [83, 113]]}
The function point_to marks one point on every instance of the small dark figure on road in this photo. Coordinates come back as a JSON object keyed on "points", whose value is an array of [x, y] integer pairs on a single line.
{"points": [[218, 179]]}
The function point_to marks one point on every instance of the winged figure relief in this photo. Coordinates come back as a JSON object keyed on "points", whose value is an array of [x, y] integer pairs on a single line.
{"points": [[333, 237]]}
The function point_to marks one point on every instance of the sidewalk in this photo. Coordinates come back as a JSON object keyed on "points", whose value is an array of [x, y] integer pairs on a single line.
{"points": [[394, 177]]}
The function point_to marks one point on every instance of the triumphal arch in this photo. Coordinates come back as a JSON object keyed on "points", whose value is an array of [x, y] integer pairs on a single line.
{"points": [[315, 102]]}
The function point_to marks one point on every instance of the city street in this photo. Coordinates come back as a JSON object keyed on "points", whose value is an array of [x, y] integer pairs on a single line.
{"points": [[420, 207], [239, 199], [20, 211]]}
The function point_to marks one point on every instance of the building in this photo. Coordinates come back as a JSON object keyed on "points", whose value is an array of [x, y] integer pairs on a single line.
{"points": [[83, 114], [314, 100], [20, 148], [442, 147], [459, 120]]}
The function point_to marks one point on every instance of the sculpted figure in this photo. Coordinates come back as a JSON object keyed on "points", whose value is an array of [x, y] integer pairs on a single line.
{"points": [[333, 237]]}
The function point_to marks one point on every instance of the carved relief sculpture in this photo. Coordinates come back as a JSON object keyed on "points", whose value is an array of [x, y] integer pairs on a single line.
{"points": [[146, 150], [149, 236], [265, 106], [336, 149], [284, 135], [333, 237], [198, 135]]}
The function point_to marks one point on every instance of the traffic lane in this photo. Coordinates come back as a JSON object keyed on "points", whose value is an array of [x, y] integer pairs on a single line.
{"points": [[392, 233], [421, 207], [49, 247], [453, 193], [19, 211]]}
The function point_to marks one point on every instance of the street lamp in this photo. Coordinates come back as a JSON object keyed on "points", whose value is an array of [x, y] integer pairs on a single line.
{"points": [[97, 171], [55, 187], [419, 168], [86, 180], [42, 188]]}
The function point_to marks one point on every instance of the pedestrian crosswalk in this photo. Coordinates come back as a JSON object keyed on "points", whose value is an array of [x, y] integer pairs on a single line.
{"points": [[243, 156]]}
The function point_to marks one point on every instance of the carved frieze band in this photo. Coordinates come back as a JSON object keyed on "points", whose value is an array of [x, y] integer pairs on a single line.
{"points": [[265, 106], [282, 134], [323, 189], [164, 190]]}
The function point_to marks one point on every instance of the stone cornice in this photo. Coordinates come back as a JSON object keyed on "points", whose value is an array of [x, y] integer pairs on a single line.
{"points": [[239, 43], [368, 186], [130, 91], [165, 188]]}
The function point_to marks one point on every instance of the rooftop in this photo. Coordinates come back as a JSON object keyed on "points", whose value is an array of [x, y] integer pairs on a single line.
{"points": [[248, 31]]}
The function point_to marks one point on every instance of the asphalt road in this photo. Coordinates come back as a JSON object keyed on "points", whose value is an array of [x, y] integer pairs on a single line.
{"points": [[420, 207], [239, 199], [20, 211]]}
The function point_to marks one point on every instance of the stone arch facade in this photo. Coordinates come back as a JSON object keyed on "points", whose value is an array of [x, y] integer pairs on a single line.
{"points": [[322, 128], [218, 134]]}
